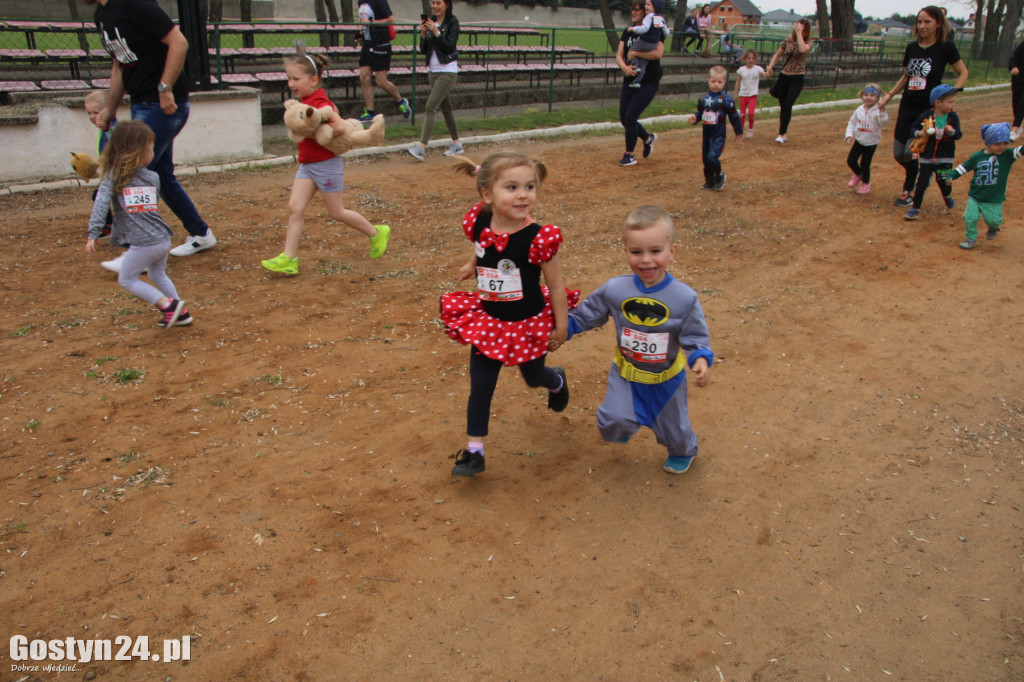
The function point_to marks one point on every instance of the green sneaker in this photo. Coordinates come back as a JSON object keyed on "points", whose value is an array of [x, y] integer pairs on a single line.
{"points": [[283, 264], [379, 241]]}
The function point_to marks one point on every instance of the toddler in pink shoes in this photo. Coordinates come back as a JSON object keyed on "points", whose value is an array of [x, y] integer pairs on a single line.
{"points": [[863, 133]]}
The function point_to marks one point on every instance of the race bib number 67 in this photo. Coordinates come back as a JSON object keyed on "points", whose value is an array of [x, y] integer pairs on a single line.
{"points": [[140, 199]]}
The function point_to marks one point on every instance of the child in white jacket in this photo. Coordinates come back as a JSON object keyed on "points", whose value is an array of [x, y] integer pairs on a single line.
{"points": [[864, 131]]}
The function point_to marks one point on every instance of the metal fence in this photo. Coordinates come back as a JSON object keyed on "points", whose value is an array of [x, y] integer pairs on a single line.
{"points": [[499, 65]]}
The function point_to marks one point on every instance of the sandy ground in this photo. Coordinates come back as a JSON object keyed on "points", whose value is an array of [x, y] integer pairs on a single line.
{"points": [[274, 482]]}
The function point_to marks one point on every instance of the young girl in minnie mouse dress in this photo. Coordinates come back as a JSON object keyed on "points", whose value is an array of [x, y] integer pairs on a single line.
{"points": [[511, 320]]}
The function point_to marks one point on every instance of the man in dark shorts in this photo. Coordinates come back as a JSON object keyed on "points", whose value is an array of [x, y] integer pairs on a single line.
{"points": [[376, 19]]}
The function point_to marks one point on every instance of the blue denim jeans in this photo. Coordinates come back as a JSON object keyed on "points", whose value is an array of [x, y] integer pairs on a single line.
{"points": [[166, 128]]}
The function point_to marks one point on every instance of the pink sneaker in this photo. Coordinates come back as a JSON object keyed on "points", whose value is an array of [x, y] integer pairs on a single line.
{"points": [[854, 181], [865, 188]]}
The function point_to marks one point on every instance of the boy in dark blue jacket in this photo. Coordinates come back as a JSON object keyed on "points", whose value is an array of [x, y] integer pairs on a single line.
{"points": [[939, 153], [712, 110]]}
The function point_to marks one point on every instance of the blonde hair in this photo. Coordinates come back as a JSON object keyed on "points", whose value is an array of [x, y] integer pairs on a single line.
{"points": [[96, 97], [718, 70], [487, 172], [644, 217], [876, 86], [314, 65], [125, 151]]}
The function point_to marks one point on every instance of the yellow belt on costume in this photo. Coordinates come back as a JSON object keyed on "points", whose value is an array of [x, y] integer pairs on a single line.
{"points": [[639, 376]]}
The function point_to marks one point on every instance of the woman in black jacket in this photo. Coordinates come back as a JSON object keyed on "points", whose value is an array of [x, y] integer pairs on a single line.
{"points": [[439, 35]]}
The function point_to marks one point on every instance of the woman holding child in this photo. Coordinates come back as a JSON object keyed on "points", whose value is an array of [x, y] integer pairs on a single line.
{"points": [[633, 101], [924, 64]]}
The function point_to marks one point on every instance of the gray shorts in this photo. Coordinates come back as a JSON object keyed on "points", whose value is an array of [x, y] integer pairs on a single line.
{"points": [[328, 175]]}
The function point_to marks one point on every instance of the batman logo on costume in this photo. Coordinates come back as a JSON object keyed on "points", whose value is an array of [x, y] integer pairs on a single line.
{"points": [[647, 312]]}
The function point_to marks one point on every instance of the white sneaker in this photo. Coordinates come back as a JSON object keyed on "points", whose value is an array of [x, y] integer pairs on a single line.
{"points": [[750, 133], [195, 245], [455, 148], [417, 151], [115, 265], [780, 139]]}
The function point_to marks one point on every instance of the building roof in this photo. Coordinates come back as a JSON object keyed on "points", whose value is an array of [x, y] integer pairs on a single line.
{"points": [[782, 16], [745, 7], [892, 23]]}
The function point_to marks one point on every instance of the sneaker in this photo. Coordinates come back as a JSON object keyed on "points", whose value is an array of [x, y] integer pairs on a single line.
{"points": [[405, 108], [750, 133], [367, 115], [968, 244], [635, 84], [628, 160], [183, 320], [677, 465], [707, 185], [912, 214], [195, 245], [864, 189], [468, 464], [719, 183], [115, 264], [950, 202], [172, 312], [379, 241], [904, 199], [780, 139], [855, 181], [454, 149], [417, 151], [649, 145], [559, 401], [283, 264], [992, 233]]}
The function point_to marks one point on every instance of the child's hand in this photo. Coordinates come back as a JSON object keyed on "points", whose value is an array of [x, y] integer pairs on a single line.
{"points": [[467, 270], [950, 130], [849, 141], [557, 338], [739, 139], [692, 118], [701, 372], [90, 245]]}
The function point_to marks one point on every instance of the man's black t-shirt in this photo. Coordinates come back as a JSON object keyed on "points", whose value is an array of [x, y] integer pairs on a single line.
{"points": [[131, 31]]}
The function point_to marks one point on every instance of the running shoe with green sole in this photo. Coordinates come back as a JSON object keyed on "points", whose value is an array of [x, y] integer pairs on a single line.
{"points": [[379, 241]]}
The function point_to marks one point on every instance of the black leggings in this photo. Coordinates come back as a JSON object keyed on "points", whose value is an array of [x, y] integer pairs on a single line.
{"points": [[1017, 92], [864, 154], [483, 378], [924, 178], [902, 136], [790, 88]]}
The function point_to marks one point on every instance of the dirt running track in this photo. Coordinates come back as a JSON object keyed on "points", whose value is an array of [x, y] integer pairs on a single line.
{"points": [[275, 484]]}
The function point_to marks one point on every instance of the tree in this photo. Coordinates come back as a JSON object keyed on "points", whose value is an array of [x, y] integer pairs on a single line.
{"points": [[842, 22], [821, 14], [245, 15], [993, 19], [216, 11], [83, 42], [1008, 34], [608, 23], [677, 26]]}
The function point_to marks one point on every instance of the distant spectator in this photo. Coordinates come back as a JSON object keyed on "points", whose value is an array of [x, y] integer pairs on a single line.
{"points": [[794, 49], [1017, 90]]}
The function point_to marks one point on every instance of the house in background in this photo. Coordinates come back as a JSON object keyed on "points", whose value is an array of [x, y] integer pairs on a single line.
{"points": [[781, 18], [728, 13], [890, 27]]}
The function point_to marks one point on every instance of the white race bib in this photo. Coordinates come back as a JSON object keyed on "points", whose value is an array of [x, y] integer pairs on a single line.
{"points": [[503, 283], [140, 199], [709, 117], [643, 347], [917, 83]]}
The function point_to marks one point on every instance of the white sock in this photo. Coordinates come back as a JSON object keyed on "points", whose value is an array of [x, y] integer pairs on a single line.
{"points": [[476, 446]]}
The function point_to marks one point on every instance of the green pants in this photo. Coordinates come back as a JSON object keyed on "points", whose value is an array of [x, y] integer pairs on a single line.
{"points": [[991, 212], [441, 85]]}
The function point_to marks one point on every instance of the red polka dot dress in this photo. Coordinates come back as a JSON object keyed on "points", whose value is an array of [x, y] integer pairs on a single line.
{"points": [[509, 317]]}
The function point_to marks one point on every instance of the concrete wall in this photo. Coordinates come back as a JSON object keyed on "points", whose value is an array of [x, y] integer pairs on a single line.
{"points": [[37, 136]]}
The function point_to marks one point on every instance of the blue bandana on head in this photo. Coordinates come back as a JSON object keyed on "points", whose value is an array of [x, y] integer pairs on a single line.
{"points": [[871, 90], [994, 133]]}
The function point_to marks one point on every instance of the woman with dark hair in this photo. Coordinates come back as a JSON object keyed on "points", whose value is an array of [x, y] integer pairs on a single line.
{"points": [[439, 35], [924, 64], [690, 32], [704, 26], [794, 49], [1017, 90], [633, 101]]}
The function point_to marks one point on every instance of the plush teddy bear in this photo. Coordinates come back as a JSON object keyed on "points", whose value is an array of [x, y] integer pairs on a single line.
{"points": [[918, 144], [305, 121], [85, 165]]}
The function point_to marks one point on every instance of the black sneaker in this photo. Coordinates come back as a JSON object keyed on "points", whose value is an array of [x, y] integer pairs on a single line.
{"points": [[183, 320], [628, 160], [719, 183], [904, 199], [468, 463], [559, 401], [172, 312], [992, 233], [707, 185], [649, 145]]}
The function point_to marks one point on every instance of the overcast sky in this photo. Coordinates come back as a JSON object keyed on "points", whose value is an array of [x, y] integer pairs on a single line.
{"points": [[867, 8]]}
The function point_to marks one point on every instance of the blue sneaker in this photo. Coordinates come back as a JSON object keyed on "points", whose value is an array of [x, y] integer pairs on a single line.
{"points": [[950, 202], [405, 108], [367, 115], [677, 465], [912, 214]]}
